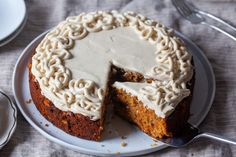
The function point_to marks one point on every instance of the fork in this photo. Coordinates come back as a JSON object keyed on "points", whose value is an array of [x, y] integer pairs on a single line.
{"points": [[196, 16], [192, 133]]}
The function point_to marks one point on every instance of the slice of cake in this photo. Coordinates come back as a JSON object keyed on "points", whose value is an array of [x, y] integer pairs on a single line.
{"points": [[93, 60], [149, 106]]}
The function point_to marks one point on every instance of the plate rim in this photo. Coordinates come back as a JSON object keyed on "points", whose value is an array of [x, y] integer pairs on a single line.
{"points": [[95, 152], [182, 36]]}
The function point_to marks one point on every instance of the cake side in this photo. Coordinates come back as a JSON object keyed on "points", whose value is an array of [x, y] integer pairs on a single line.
{"points": [[73, 123]]}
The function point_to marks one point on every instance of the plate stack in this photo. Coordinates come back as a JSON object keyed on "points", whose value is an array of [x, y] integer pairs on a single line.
{"points": [[8, 118], [13, 18]]}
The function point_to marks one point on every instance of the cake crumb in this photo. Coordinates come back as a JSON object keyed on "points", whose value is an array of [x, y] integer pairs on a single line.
{"points": [[153, 145], [123, 137], [102, 145], [155, 140], [46, 125], [123, 144], [28, 101], [117, 152]]}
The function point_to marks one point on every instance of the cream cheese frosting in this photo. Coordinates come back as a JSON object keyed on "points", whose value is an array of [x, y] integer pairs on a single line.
{"points": [[73, 61]]}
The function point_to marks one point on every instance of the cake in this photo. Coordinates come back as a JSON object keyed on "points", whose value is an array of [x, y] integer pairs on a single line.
{"points": [[105, 58]]}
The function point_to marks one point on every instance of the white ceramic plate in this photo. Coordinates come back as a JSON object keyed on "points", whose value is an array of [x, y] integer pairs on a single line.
{"points": [[12, 15], [137, 142], [8, 118], [14, 34]]}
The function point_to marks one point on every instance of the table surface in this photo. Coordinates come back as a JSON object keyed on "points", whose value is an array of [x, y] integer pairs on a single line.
{"points": [[220, 50]]}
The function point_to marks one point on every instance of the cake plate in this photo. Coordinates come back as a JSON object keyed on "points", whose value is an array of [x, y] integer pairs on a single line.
{"points": [[117, 132]]}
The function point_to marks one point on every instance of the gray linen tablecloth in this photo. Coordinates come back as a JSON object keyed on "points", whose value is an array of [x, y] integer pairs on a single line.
{"points": [[220, 50]]}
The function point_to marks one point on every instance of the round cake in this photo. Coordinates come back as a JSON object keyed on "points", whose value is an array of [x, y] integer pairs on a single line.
{"points": [[125, 60]]}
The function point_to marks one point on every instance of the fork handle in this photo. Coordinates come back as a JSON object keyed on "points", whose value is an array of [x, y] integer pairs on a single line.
{"points": [[217, 19], [218, 138], [220, 30]]}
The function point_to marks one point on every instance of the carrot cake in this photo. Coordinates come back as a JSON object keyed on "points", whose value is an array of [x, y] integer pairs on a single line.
{"points": [[96, 59]]}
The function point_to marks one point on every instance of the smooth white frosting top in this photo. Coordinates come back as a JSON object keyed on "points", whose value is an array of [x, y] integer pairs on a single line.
{"points": [[73, 61]]}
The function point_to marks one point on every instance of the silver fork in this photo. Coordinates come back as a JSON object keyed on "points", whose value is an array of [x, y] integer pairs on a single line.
{"points": [[196, 16], [191, 133]]}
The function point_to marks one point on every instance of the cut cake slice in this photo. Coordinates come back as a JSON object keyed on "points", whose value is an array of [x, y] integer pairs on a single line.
{"points": [[157, 120]]}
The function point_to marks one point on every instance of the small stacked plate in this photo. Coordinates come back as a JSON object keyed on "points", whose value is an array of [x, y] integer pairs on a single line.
{"points": [[13, 18]]}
